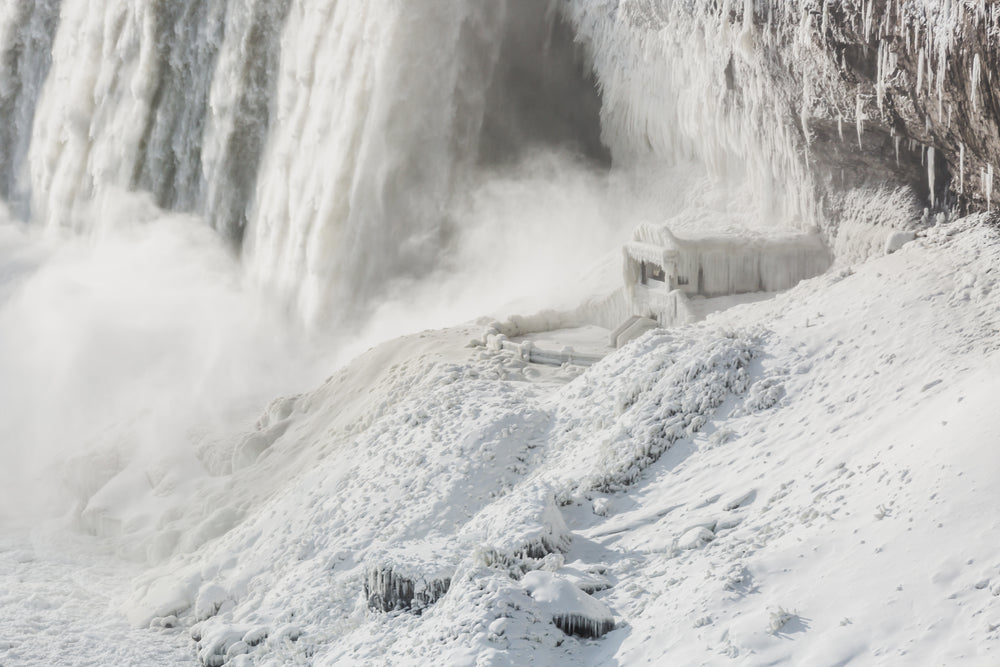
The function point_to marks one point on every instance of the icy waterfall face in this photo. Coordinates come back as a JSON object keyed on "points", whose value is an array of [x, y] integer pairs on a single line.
{"points": [[166, 98], [382, 111], [328, 140]]}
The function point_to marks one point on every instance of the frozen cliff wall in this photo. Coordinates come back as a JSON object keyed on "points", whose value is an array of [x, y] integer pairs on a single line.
{"points": [[924, 74], [805, 97]]}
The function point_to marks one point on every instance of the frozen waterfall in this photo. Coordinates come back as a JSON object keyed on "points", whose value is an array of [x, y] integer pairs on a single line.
{"points": [[329, 138], [330, 141]]}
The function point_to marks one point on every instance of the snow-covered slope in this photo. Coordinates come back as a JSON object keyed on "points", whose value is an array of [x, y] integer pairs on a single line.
{"points": [[804, 479]]}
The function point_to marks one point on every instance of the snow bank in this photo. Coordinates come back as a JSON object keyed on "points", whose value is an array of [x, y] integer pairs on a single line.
{"points": [[664, 387]]}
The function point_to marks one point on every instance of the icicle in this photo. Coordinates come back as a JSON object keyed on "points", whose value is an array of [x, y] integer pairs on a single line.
{"points": [[880, 76], [930, 172], [869, 21], [897, 149], [975, 76], [989, 188], [859, 116], [745, 41], [961, 168], [920, 70], [806, 104]]}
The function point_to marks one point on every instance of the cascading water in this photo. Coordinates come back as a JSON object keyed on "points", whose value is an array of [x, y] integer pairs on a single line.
{"points": [[26, 34], [167, 98], [331, 137], [383, 111]]}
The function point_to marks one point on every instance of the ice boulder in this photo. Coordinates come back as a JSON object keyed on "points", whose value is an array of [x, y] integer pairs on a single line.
{"points": [[409, 577], [572, 611], [524, 523]]}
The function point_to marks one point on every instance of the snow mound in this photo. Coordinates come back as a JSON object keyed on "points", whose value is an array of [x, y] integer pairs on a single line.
{"points": [[572, 611], [526, 524], [666, 386]]}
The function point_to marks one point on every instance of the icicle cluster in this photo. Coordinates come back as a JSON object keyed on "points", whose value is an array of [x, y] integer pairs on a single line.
{"points": [[572, 611], [762, 89], [583, 626], [386, 590]]}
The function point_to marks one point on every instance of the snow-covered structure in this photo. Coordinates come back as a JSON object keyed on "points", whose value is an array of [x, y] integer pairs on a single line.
{"points": [[661, 270]]}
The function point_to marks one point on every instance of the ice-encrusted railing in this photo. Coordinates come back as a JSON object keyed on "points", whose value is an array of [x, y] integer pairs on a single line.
{"points": [[497, 337], [530, 353]]}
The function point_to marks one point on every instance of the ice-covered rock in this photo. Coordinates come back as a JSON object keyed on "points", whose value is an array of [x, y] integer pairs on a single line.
{"points": [[409, 577], [695, 538], [897, 240], [209, 600], [525, 523], [572, 611], [215, 644]]}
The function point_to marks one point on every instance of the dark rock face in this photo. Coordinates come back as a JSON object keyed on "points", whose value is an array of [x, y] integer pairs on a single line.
{"points": [[898, 92], [952, 105], [541, 93]]}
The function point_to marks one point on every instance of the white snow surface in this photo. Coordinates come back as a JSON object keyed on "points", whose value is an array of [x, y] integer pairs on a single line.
{"points": [[804, 480]]}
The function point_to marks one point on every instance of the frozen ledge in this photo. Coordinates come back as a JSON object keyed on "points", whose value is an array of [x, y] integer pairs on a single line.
{"points": [[409, 577]]}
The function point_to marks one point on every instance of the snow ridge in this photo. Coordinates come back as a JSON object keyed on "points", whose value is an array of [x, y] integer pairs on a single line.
{"points": [[664, 388]]}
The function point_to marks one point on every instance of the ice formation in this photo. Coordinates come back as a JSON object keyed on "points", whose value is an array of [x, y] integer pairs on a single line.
{"points": [[572, 611], [386, 589], [658, 264], [347, 152]]}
